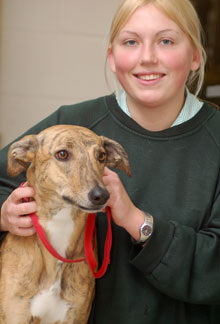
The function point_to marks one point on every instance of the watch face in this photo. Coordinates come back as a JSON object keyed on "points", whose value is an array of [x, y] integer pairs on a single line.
{"points": [[146, 230]]}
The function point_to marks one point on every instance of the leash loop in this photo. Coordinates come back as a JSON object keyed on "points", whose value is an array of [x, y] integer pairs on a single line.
{"points": [[90, 257], [46, 243]]}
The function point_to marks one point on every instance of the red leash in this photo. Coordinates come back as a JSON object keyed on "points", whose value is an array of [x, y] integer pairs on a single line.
{"points": [[88, 243], [46, 243], [90, 257]]}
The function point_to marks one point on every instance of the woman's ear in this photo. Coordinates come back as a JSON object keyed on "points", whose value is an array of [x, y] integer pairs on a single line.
{"points": [[196, 60], [111, 59]]}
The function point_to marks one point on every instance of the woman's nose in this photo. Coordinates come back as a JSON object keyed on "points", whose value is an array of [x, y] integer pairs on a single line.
{"points": [[148, 55]]}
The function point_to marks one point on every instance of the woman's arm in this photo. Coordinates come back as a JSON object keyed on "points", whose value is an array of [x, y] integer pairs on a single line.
{"points": [[177, 260]]}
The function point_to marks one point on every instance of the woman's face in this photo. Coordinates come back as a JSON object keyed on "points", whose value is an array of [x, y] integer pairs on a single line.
{"points": [[152, 58]]}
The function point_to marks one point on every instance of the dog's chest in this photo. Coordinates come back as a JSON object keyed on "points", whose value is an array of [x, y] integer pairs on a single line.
{"points": [[48, 304]]}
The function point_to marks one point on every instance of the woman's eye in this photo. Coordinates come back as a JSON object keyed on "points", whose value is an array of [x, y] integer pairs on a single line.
{"points": [[62, 155], [130, 42], [102, 156], [166, 42]]}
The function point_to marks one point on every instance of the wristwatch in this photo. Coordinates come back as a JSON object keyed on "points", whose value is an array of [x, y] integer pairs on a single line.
{"points": [[146, 229]]}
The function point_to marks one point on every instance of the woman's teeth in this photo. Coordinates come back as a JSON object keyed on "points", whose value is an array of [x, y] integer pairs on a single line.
{"points": [[149, 77]]}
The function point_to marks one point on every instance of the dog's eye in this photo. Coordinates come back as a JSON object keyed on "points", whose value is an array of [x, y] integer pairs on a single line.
{"points": [[62, 155], [102, 156]]}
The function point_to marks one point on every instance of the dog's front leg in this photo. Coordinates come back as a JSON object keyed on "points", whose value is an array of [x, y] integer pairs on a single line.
{"points": [[21, 269]]}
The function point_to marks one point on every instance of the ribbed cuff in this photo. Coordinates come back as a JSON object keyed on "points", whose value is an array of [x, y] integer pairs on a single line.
{"points": [[151, 254]]}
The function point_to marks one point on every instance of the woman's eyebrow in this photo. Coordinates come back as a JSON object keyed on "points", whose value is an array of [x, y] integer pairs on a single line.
{"points": [[167, 30], [158, 33], [128, 32]]}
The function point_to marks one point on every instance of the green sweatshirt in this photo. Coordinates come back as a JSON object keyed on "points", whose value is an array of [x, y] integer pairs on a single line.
{"points": [[175, 278]]}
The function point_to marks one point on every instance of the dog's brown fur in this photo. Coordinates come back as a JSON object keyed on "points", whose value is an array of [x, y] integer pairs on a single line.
{"points": [[66, 168]]}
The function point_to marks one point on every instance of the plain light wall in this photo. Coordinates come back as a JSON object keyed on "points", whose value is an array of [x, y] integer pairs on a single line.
{"points": [[52, 52]]}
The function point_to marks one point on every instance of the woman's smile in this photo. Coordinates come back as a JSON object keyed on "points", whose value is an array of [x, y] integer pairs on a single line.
{"points": [[149, 77]]}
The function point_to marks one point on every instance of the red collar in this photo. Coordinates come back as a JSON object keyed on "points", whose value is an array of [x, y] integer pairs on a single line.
{"points": [[88, 245]]}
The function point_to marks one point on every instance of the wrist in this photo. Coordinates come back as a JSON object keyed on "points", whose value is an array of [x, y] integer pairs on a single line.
{"points": [[145, 230], [134, 220]]}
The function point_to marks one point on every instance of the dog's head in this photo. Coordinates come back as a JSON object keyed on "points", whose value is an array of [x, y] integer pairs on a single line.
{"points": [[67, 162]]}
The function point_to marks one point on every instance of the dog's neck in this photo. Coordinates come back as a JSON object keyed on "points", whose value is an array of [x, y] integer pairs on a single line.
{"points": [[64, 227], [59, 229]]}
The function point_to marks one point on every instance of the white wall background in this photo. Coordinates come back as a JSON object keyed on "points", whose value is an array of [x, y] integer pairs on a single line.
{"points": [[52, 52]]}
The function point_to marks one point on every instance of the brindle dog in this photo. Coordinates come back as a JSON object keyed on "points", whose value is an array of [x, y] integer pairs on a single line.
{"points": [[65, 167]]}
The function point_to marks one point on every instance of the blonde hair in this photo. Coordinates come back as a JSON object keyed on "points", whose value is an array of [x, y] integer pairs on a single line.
{"points": [[184, 15]]}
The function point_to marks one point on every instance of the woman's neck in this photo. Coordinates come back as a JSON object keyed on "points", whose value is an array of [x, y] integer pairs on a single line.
{"points": [[155, 118]]}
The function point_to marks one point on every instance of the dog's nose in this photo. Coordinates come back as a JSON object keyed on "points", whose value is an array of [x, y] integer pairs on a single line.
{"points": [[98, 195]]}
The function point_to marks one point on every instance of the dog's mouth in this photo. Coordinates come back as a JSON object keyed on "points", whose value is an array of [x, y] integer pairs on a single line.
{"points": [[93, 209], [69, 200]]}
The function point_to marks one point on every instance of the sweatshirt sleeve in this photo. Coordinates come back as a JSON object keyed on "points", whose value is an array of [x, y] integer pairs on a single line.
{"points": [[182, 263]]}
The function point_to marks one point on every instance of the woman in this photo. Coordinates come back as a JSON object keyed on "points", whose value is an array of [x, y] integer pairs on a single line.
{"points": [[166, 248]]}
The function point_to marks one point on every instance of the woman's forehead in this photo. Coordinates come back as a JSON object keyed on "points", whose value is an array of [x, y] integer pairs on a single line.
{"points": [[149, 17]]}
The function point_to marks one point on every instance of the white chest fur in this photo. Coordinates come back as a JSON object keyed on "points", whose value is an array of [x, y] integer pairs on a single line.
{"points": [[48, 304], [60, 229]]}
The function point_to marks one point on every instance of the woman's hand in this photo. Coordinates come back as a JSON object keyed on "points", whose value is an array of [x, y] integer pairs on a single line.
{"points": [[14, 212], [124, 212]]}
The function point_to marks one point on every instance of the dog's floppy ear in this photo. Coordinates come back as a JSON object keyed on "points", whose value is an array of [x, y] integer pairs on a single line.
{"points": [[116, 155], [21, 153]]}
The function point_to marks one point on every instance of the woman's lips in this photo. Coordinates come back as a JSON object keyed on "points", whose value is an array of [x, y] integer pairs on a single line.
{"points": [[150, 79]]}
